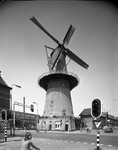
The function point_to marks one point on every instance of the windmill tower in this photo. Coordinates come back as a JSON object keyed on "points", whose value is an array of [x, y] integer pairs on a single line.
{"points": [[58, 83]]}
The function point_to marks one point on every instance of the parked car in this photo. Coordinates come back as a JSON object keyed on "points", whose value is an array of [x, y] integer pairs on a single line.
{"points": [[108, 130], [105, 127]]}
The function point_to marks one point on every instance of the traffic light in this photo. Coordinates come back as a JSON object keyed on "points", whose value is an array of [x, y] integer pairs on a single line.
{"points": [[32, 107], [9, 114], [96, 108], [4, 114]]}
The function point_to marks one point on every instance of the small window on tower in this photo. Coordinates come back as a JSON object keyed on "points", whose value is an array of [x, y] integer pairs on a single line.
{"points": [[51, 104]]}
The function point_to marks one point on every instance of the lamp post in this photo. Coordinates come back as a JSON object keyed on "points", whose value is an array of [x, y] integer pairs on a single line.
{"points": [[18, 86], [115, 99], [37, 112]]}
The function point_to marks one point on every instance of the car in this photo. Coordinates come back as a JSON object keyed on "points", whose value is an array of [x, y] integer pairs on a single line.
{"points": [[105, 127], [108, 130]]}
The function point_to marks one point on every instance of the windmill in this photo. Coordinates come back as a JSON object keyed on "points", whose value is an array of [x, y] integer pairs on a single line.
{"points": [[58, 82], [60, 49]]}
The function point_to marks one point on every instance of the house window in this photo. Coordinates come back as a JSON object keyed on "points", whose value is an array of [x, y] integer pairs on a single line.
{"points": [[57, 125]]}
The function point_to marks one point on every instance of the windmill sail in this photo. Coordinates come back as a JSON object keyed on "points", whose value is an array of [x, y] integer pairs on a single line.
{"points": [[60, 48], [42, 28], [68, 35], [76, 59]]}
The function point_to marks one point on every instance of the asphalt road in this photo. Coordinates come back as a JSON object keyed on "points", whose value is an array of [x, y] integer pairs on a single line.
{"points": [[62, 141], [88, 138]]}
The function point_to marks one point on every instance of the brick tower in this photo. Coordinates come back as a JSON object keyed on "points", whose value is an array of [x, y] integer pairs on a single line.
{"points": [[58, 83]]}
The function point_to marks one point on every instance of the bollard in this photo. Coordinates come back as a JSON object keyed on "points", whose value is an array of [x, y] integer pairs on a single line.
{"points": [[5, 130]]}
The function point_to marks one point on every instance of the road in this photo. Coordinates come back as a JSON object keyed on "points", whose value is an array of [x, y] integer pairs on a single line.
{"points": [[62, 141], [84, 138]]}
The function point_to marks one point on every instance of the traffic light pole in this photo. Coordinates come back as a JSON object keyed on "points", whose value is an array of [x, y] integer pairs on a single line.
{"points": [[4, 118], [5, 130], [19, 104], [96, 113]]}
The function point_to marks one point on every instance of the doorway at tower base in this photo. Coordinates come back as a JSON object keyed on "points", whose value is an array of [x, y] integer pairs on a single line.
{"points": [[56, 123]]}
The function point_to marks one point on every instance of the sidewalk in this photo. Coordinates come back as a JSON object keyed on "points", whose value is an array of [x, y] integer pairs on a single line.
{"points": [[10, 139]]}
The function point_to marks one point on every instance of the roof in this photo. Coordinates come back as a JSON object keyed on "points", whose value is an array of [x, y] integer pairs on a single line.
{"points": [[86, 112], [2, 82]]}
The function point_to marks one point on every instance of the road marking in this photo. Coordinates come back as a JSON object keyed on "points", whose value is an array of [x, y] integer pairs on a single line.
{"points": [[71, 141], [85, 143], [92, 143], [110, 145], [78, 142]]}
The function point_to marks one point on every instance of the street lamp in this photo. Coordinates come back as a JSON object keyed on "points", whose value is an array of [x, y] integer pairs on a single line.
{"points": [[11, 110], [37, 112], [18, 86]]}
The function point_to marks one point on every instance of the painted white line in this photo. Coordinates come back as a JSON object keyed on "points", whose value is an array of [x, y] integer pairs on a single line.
{"points": [[92, 143], [110, 145], [65, 141], [71, 141], [85, 143], [78, 142]]}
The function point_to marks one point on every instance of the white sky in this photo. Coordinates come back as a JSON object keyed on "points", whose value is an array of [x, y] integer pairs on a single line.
{"points": [[95, 40]]}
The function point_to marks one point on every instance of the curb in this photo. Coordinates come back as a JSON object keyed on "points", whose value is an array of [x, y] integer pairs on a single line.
{"points": [[10, 139]]}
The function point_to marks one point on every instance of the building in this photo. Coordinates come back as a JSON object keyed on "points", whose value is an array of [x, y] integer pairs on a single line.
{"points": [[105, 118], [58, 110], [22, 119], [4, 94]]}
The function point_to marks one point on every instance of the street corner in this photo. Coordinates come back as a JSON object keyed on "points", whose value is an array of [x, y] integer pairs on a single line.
{"points": [[9, 140]]}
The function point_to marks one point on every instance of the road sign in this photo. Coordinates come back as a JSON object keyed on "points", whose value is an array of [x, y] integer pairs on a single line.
{"points": [[97, 122]]}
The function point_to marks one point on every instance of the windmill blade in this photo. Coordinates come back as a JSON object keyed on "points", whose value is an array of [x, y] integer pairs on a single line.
{"points": [[76, 58], [42, 28], [68, 35]]}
